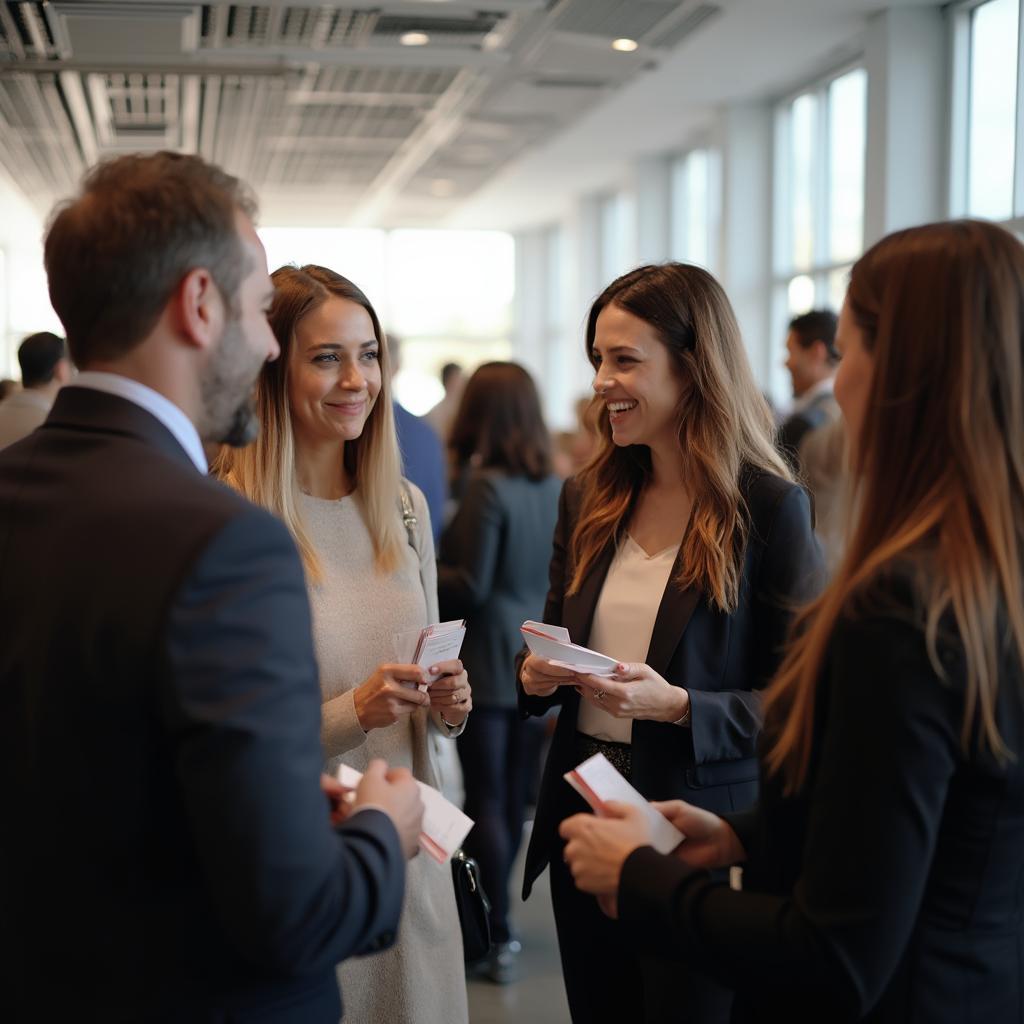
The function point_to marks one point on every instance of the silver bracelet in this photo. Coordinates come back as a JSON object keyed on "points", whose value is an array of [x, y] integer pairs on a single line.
{"points": [[684, 720]]}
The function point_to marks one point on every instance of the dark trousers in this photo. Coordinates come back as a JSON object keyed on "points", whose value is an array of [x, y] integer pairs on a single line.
{"points": [[605, 981], [498, 756]]}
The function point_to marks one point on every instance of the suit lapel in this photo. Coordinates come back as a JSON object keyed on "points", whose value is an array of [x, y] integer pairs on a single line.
{"points": [[674, 612], [578, 609]]}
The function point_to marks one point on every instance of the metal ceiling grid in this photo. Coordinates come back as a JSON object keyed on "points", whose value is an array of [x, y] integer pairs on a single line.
{"points": [[319, 98]]}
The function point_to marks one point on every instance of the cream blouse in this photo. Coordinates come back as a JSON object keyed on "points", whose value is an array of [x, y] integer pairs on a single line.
{"points": [[623, 624]]}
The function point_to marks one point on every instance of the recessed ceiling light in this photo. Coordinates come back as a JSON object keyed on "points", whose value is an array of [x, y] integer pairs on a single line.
{"points": [[442, 188], [625, 45], [414, 39]]}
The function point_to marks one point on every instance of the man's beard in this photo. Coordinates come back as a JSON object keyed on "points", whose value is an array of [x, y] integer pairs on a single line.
{"points": [[229, 411]]}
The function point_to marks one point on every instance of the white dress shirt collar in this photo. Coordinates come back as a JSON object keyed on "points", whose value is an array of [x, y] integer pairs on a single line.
{"points": [[815, 391], [154, 403]]}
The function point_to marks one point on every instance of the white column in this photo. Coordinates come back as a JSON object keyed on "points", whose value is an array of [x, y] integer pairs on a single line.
{"points": [[653, 185], [745, 142], [907, 59]]}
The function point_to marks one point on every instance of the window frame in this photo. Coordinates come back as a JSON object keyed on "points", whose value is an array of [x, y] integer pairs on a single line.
{"points": [[784, 268], [961, 15]]}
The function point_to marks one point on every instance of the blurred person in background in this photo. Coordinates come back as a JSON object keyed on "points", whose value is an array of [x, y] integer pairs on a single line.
{"points": [[423, 456], [824, 463], [493, 572], [811, 359], [8, 387], [442, 416], [882, 869], [45, 369], [326, 462], [681, 549]]}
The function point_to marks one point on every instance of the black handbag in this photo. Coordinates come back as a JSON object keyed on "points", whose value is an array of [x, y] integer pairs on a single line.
{"points": [[470, 899], [473, 906]]}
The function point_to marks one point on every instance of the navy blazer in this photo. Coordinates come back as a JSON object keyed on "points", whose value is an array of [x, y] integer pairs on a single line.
{"points": [[721, 659], [492, 571], [166, 852]]}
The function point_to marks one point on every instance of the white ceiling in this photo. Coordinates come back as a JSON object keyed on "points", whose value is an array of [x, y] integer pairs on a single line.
{"points": [[756, 50], [513, 107]]}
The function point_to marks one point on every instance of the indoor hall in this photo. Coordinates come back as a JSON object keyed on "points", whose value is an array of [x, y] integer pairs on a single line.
{"points": [[505, 240]]}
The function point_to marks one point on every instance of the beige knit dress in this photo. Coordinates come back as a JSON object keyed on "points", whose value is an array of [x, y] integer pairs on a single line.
{"points": [[356, 614]]}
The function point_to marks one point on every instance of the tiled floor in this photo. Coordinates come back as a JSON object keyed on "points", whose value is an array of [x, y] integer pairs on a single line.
{"points": [[539, 997]]}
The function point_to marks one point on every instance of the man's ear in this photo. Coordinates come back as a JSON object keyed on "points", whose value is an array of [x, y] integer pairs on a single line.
{"points": [[199, 309]]}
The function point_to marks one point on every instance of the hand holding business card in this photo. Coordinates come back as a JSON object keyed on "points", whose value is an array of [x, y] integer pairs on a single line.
{"points": [[553, 644], [445, 827]]}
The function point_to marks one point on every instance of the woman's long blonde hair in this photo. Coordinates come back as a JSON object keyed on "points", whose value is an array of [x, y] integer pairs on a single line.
{"points": [[724, 426], [939, 468], [265, 471]]}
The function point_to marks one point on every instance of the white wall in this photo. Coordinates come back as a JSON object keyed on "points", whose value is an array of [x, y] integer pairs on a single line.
{"points": [[24, 302]]}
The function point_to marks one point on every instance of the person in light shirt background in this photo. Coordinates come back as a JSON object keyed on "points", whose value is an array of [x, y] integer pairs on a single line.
{"points": [[327, 462], [681, 549], [45, 369], [811, 359]]}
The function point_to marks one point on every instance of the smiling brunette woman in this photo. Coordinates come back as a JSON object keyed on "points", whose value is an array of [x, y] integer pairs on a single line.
{"points": [[682, 549], [326, 462]]}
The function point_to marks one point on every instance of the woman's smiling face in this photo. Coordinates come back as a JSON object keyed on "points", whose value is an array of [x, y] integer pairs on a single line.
{"points": [[636, 379], [334, 374]]}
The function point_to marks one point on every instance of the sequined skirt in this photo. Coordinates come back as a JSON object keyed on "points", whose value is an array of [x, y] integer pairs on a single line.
{"points": [[619, 754]]}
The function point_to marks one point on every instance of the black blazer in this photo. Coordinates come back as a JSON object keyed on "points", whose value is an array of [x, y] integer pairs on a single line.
{"points": [[721, 660], [166, 852], [892, 888], [493, 572]]}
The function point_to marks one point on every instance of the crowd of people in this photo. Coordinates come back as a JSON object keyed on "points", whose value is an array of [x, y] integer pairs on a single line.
{"points": [[218, 534]]}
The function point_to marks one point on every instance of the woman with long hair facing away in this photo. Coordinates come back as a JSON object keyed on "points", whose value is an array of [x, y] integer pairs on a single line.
{"points": [[882, 873], [681, 550], [493, 572], [326, 462]]}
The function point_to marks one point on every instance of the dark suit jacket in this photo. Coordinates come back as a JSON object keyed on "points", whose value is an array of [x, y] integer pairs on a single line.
{"points": [[821, 411], [423, 462], [166, 852], [493, 572], [721, 660], [892, 888]]}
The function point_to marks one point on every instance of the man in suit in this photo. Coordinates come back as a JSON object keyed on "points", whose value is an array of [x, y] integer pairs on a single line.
{"points": [[168, 852], [811, 358], [45, 369]]}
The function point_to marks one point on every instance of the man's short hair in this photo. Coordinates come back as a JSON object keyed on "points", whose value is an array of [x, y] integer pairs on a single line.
{"points": [[38, 356], [448, 371], [818, 325], [115, 254]]}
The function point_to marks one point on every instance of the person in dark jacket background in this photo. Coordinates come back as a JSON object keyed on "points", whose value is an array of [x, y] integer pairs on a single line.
{"points": [[493, 572]]}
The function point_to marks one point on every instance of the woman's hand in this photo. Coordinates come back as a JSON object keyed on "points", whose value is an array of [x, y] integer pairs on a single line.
{"points": [[635, 691], [388, 695], [596, 848], [451, 693], [710, 841], [540, 678]]}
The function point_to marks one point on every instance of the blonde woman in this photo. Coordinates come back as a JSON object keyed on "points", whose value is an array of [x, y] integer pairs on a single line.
{"points": [[326, 461], [882, 876], [681, 550]]}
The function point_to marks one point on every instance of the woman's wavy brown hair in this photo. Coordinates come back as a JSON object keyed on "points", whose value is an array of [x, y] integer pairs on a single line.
{"points": [[938, 469], [499, 423], [265, 471], [724, 425]]}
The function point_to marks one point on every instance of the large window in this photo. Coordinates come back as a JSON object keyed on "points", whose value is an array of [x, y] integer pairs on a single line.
{"points": [[819, 200], [987, 176], [446, 294], [695, 198]]}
